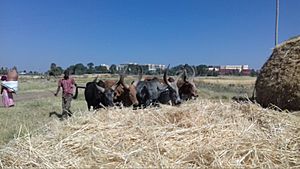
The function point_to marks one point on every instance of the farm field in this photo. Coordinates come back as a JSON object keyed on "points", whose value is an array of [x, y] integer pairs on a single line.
{"points": [[35, 100], [211, 131]]}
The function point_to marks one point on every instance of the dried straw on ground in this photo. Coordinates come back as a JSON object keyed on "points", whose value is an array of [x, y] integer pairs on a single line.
{"points": [[203, 133], [279, 80]]}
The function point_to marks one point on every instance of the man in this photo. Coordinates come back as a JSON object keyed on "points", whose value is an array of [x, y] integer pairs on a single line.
{"points": [[7, 97], [67, 85], [9, 85]]}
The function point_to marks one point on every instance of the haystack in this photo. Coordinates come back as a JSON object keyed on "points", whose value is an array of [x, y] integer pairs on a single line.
{"points": [[279, 80]]}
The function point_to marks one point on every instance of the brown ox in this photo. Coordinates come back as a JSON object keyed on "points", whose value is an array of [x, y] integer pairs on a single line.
{"points": [[187, 89], [125, 94]]}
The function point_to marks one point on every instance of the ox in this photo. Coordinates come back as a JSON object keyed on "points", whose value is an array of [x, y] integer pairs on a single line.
{"points": [[108, 92], [151, 91], [126, 94], [187, 89], [97, 95], [123, 94]]}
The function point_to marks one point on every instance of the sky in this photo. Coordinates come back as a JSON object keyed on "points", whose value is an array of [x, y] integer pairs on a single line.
{"points": [[36, 33]]}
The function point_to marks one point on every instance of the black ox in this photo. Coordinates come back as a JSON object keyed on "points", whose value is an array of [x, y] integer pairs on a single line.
{"points": [[152, 92], [97, 95]]}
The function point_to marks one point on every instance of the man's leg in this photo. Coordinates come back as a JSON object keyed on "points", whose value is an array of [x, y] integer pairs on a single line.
{"points": [[68, 104], [64, 107]]}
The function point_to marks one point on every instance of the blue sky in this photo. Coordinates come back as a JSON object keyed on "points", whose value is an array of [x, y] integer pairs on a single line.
{"points": [[35, 33]]}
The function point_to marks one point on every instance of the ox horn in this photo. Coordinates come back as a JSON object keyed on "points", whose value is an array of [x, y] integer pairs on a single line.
{"points": [[122, 82], [100, 88], [114, 86], [180, 75], [122, 75], [185, 76], [140, 76], [165, 76], [194, 73], [95, 80]]}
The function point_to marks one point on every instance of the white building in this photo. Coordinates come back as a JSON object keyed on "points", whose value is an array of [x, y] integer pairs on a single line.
{"points": [[150, 67], [155, 67], [121, 67], [105, 65], [235, 67], [214, 69]]}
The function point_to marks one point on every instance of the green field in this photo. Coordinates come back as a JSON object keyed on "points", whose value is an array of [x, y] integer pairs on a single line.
{"points": [[35, 100]]}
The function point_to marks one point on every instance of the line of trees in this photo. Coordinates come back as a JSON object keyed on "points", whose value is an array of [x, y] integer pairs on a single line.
{"points": [[90, 68], [80, 69]]}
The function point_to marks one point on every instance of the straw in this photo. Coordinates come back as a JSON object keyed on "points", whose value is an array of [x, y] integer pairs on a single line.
{"points": [[201, 133]]}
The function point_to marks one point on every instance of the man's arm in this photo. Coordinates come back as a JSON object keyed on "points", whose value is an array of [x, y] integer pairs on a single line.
{"points": [[58, 88]]}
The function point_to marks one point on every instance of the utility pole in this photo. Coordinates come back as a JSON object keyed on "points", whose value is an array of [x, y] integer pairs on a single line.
{"points": [[276, 22]]}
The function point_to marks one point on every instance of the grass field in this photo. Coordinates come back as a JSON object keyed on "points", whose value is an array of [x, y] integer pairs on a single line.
{"points": [[210, 132], [35, 100]]}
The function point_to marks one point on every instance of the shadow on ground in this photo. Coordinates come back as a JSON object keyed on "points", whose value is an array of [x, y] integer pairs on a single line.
{"points": [[56, 114]]}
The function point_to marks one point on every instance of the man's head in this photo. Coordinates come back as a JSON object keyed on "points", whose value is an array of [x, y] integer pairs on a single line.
{"points": [[66, 74]]}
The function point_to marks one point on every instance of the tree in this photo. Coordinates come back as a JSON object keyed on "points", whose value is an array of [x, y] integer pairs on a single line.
{"points": [[253, 73], [113, 69], [133, 69], [176, 69], [90, 65], [80, 69], [71, 69], [52, 66], [3, 70], [90, 68], [201, 70], [55, 70], [101, 69]]}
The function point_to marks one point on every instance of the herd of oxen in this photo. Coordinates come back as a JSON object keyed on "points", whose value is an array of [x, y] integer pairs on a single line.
{"points": [[140, 93]]}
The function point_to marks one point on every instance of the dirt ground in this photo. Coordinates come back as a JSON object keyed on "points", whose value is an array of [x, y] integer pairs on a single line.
{"points": [[32, 96]]}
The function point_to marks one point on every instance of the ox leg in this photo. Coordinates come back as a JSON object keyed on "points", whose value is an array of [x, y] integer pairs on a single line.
{"points": [[155, 103], [89, 106]]}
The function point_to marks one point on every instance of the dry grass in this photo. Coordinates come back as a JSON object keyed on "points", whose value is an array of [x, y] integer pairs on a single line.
{"points": [[203, 133], [227, 80]]}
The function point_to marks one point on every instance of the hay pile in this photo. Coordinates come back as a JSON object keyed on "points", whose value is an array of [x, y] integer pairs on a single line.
{"points": [[279, 80], [200, 133]]}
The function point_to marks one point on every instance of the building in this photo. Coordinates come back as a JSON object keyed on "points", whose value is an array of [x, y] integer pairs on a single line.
{"points": [[146, 67], [105, 65], [155, 67], [121, 67], [235, 70], [214, 68]]}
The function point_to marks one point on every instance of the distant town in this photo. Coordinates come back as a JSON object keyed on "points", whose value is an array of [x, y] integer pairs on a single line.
{"points": [[150, 69]]}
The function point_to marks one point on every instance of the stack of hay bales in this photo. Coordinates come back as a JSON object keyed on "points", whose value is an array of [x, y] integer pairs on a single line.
{"points": [[279, 80]]}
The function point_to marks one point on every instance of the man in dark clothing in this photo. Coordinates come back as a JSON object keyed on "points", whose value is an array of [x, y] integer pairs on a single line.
{"points": [[67, 84]]}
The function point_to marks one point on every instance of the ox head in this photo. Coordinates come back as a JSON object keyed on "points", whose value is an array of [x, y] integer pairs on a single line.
{"points": [[172, 87], [188, 90], [126, 93], [106, 93]]}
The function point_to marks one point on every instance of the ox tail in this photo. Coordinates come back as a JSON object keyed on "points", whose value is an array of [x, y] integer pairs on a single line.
{"points": [[76, 91]]}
